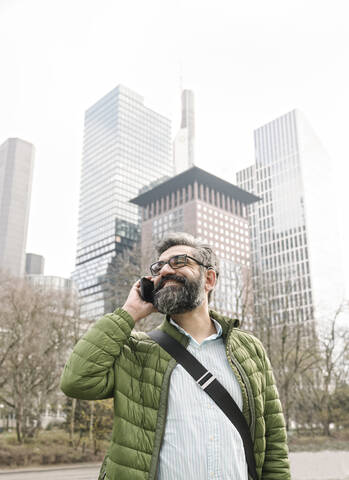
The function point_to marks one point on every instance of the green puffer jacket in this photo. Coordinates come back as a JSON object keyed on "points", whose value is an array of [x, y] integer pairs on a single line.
{"points": [[111, 360]]}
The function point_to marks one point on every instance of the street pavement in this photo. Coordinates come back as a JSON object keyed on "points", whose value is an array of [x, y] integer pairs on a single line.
{"points": [[324, 465], [73, 472]]}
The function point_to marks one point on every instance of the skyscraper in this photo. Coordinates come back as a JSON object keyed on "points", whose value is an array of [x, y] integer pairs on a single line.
{"points": [[126, 146], [214, 210], [16, 172], [183, 145], [34, 264], [294, 234]]}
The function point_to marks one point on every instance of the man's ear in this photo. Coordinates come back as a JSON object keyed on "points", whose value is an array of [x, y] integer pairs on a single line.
{"points": [[211, 278]]}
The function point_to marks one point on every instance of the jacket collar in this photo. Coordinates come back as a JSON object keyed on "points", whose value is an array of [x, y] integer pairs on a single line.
{"points": [[224, 321]]}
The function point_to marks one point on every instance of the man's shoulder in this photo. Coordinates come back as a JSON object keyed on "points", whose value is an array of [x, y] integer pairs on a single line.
{"points": [[237, 337], [140, 336], [248, 341], [247, 334]]}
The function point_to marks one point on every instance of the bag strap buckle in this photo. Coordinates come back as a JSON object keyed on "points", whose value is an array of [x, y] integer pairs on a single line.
{"points": [[205, 380]]}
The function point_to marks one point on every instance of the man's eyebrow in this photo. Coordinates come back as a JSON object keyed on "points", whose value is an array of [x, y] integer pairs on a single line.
{"points": [[164, 260], [176, 255], [168, 258]]}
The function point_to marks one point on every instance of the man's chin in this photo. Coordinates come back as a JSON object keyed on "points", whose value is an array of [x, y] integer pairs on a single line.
{"points": [[174, 299], [174, 311]]}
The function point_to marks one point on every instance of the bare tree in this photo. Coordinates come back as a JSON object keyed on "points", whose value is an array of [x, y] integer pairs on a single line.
{"points": [[263, 308], [332, 369], [35, 332], [242, 296], [290, 340], [294, 355]]}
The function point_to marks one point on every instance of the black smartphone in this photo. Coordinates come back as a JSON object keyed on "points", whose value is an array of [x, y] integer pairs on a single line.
{"points": [[147, 290]]}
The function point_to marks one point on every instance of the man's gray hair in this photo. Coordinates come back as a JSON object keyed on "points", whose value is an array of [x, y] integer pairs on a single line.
{"points": [[203, 252]]}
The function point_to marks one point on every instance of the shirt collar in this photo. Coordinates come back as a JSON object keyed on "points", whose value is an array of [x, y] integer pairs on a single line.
{"points": [[218, 333]]}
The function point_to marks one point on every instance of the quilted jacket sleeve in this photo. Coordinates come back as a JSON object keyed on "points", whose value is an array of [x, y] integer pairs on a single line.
{"points": [[276, 464], [89, 371]]}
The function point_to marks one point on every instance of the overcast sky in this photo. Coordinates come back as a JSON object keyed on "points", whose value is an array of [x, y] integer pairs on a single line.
{"points": [[247, 62]]}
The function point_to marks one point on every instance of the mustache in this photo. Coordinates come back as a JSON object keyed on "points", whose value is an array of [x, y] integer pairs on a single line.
{"points": [[163, 280]]}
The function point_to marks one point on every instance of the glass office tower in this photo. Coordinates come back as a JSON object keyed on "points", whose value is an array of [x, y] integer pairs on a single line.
{"points": [[294, 231], [16, 174], [126, 146]]}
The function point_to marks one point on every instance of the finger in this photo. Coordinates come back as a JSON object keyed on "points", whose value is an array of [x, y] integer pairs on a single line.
{"points": [[150, 277]]}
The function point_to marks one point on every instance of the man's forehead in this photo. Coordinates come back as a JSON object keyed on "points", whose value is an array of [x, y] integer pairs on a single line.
{"points": [[176, 250]]}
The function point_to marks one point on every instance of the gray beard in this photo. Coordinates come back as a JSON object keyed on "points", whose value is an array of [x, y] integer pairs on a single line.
{"points": [[181, 298]]}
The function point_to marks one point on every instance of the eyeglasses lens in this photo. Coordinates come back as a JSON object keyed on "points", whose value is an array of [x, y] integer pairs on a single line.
{"points": [[175, 262], [178, 261], [156, 267]]}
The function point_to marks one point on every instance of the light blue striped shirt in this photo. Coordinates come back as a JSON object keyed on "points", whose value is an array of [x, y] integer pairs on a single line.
{"points": [[200, 442]]}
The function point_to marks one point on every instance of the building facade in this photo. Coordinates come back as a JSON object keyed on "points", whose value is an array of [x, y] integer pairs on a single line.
{"points": [[183, 145], [294, 235], [16, 173], [214, 211], [34, 264], [52, 282], [126, 146]]}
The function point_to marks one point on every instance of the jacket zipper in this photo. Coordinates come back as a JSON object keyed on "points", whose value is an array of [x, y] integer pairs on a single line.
{"points": [[249, 392], [246, 381]]}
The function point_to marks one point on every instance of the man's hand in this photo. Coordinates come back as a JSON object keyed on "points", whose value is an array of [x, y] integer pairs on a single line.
{"points": [[135, 305]]}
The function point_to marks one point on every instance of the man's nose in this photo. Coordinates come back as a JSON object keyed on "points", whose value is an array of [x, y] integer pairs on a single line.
{"points": [[167, 270]]}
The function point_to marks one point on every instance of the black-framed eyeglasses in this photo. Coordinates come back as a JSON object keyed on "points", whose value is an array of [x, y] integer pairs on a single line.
{"points": [[177, 261]]}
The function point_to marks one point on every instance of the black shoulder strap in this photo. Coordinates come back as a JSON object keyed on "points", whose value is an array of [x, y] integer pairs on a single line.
{"points": [[213, 388]]}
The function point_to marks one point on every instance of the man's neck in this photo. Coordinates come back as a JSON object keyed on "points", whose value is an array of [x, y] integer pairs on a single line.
{"points": [[197, 322]]}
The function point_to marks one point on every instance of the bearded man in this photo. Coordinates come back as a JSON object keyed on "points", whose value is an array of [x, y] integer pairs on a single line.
{"points": [[165, 426]]}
